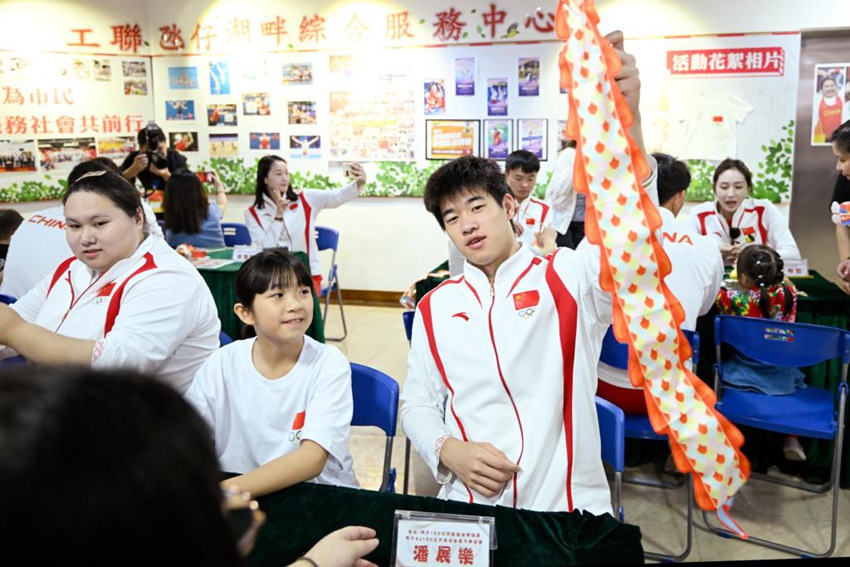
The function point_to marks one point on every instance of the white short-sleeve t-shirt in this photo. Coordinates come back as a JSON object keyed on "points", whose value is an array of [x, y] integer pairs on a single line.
{"points": [[255, 420]]}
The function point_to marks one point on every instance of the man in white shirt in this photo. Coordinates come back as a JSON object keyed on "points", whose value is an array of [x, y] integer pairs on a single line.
{"points": [[533, 218], [499, 396], [695, 276]]}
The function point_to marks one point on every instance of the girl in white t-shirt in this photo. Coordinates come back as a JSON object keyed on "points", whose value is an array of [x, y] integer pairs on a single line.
{"points": [[279, 404]]}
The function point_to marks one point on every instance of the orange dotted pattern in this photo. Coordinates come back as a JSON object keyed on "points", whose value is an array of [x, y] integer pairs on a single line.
{"points": [[622, 220]]}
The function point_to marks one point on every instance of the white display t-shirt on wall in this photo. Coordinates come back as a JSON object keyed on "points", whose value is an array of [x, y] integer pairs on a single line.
{"points": [[708, 126]]}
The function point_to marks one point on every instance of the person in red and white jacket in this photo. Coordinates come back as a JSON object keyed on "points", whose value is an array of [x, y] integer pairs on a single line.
{"points": [[533, 218], [735, 220], [284, 217], [499, 395], [125, 299]]}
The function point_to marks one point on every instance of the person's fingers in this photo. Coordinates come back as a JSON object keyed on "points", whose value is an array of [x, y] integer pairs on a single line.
{"points": [[357, 532], [498, 460], [616, 38], [364, 563]]}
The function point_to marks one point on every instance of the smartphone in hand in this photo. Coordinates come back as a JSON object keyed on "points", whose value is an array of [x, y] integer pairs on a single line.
{"points": [[205, 176]]}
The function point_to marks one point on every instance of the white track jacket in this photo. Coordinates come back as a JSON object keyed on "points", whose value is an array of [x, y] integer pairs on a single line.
{"points": [[515, 365]]}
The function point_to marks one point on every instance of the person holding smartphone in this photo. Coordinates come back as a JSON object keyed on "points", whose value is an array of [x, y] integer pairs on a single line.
{"points": [[190, 217], [284, 217]]}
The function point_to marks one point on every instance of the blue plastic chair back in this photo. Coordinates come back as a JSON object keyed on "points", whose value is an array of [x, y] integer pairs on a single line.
{"points": [[780, 343], [224, 339], [376, 404], [408, 323], [375, 398], [7, 299], [808, 412], [612, 433], [616, 354], [235, 234], [327, 238]]}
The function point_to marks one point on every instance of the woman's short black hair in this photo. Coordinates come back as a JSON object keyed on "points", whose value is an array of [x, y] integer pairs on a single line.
{"points": [[106, 468], [270, 269], [111, 185]]}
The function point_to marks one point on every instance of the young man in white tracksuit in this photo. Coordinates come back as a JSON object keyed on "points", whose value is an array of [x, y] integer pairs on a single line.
{"points": [[499, 396]]}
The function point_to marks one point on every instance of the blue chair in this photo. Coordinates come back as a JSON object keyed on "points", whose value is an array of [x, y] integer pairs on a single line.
{"points": [[808, 412], [613, 437], [407, 317], [224, 339], [235, 234], [616, 354], [161, 224], [328, 239], [376, 404], [7, 299]]}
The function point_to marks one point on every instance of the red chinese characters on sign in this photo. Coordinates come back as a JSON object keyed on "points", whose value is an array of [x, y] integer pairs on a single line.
{"points": [[11, 95], [82, 39], [738, 61], [276, 28], [171, 38], [203, 33], [420, 553], [493, 18], [109, 124], [544, 22], [444, 554], [312, 29], [449, 26], [127, 37], [465, 556], [398, 25], [238, 30]]}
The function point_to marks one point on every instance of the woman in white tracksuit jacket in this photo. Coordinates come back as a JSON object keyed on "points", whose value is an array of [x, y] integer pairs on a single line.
{"points": [[283, 217], [125, 299]]}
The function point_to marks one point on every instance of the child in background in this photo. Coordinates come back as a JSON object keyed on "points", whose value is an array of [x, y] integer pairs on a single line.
{"points": [[10, 220], [279, 404], [766, 294]]}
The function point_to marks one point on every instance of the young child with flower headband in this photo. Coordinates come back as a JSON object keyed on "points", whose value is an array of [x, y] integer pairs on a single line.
{"points": [[764, 293]]}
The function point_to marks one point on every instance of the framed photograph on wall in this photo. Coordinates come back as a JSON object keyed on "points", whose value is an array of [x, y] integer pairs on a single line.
{"points": [[532, 136], [498, 137], [450, 139]]}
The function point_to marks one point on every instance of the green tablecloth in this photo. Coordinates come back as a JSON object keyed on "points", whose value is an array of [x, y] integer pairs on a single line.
{"points": [[299, 516], [820, 302], [221, 283]]}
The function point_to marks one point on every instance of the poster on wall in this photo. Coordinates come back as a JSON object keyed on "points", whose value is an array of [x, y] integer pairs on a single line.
{"points": [[297, 74], [264, 141], [465, 76], [182, 77], [102, 70], [497, 97], [531, 135], [450, 139], [81, 69], [305, 147], [65, 153], [183, 141], [180, 110], [498, 135], [221, 115], [831, 107], [116, 148], [301, 111], [17, 155], [435, 97], [372, 125], [256, 104], [134, 69], [135, 87], [224, 145], [528, 76], [219, 78]]}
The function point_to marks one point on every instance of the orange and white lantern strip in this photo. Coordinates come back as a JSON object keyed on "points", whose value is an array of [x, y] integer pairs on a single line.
{"points": [[622, 220]]}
